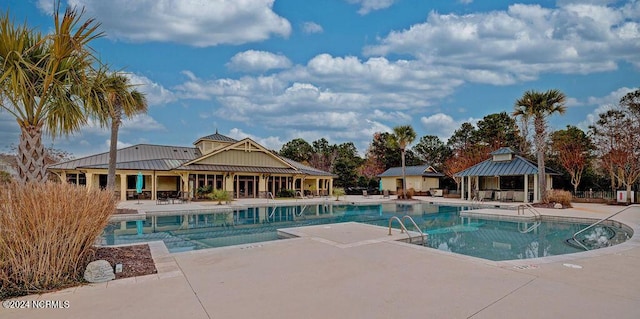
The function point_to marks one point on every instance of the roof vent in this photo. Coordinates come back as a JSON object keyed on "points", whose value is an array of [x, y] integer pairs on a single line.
{"points": [[175, 150]]}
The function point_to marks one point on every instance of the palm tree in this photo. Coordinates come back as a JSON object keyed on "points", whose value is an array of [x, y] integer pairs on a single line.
{"points": [[402, 136], [41, 80], [539, 106], [111, 97]]}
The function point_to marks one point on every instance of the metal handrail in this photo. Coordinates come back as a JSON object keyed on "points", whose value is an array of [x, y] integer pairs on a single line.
{"points": [[299, 193], [416, 226], [535, 225], [530, 207], [402, 228], [598, 222], [270, 194]]}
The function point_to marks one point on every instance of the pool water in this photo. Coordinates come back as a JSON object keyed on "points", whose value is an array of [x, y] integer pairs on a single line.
{"points": [[448, 228]]}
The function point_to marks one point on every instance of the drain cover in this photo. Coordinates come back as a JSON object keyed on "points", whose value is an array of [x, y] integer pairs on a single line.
{"points": [[574, 266], [526, 267]]}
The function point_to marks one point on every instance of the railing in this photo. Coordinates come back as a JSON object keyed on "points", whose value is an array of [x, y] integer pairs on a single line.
{"points": [[530, 208], [404, 229], [270, 195], [598, 222], [300, 194]]}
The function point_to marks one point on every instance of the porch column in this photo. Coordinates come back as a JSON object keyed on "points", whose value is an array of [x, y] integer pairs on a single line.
{"points": [[462, 188], [469, 188], [123, 187], [89, 177], [526, 188], [154, 185], [536, 192], [330, 186], [317, 186]]}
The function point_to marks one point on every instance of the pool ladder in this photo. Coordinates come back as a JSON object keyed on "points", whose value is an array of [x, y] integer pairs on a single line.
{"points": [[597, 223], [536, 215], [522, 208], [404, 229]]}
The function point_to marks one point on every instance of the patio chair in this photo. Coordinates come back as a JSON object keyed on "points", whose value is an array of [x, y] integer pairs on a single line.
{"points": [[162, 199], [364, 194], [508, 196], [385, 193]]}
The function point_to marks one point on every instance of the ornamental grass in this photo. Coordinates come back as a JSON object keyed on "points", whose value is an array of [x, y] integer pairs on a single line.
{"points": [[560, 196], [47, 233]]}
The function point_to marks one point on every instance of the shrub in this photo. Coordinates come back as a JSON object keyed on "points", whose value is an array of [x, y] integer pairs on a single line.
{"points": [[286, 193], [47, 232], [203, 191], [559, 196], [220, 196], [337, 192], [410, 193]]}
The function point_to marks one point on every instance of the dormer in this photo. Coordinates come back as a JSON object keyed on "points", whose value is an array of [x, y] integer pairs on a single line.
{"points": [[503, 154], [210, 143]]}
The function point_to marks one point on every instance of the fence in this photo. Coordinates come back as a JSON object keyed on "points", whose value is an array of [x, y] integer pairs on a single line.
{"points": [[606, 195]]}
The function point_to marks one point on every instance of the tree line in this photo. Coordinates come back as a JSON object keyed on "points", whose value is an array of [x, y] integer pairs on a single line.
{"points": [[606, 156]]}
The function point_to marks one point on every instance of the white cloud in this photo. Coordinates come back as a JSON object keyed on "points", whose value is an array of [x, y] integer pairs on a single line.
{"points": [[312, 27], [506, 47], [45, 6], [258, 61], [603, 104], [193, 22], [120, 144], [271, 142], [367, 6], [141, 122], [442, 125], [155, 93]]}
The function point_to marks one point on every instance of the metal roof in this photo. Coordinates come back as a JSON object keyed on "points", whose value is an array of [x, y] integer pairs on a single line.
{"points": [[155, 165], [503, 150], [517, 166], [411, 171], [216, 137], [166, 158], [140, 152]]}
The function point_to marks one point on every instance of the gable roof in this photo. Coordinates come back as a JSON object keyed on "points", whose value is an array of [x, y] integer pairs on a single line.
{"points": [[517, 166], [421, 170], [246, 142]]}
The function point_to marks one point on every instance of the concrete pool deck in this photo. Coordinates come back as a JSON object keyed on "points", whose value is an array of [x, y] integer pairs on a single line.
{"points": [[356, 271]]}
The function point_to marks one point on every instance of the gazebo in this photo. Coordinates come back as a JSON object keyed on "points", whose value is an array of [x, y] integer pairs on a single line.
{"points": [[506, 176]]}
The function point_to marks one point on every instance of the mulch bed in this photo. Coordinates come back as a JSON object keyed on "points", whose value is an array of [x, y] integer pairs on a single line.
{"points": [[136, 260]]}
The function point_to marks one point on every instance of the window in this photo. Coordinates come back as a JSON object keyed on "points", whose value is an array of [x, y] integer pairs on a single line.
{"points": [[77, 179]]}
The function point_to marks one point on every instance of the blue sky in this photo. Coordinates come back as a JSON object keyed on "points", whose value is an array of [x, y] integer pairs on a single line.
{"points": [[345, 69]]}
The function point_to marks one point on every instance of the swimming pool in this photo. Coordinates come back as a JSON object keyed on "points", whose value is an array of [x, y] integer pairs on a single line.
{"points": [[450, 228]]}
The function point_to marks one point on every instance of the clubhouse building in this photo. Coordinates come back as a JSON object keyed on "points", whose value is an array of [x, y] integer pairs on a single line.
{"points": [[243, 168]]}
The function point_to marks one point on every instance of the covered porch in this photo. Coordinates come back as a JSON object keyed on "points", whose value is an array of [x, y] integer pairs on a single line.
{"points": [[505, 176]]}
